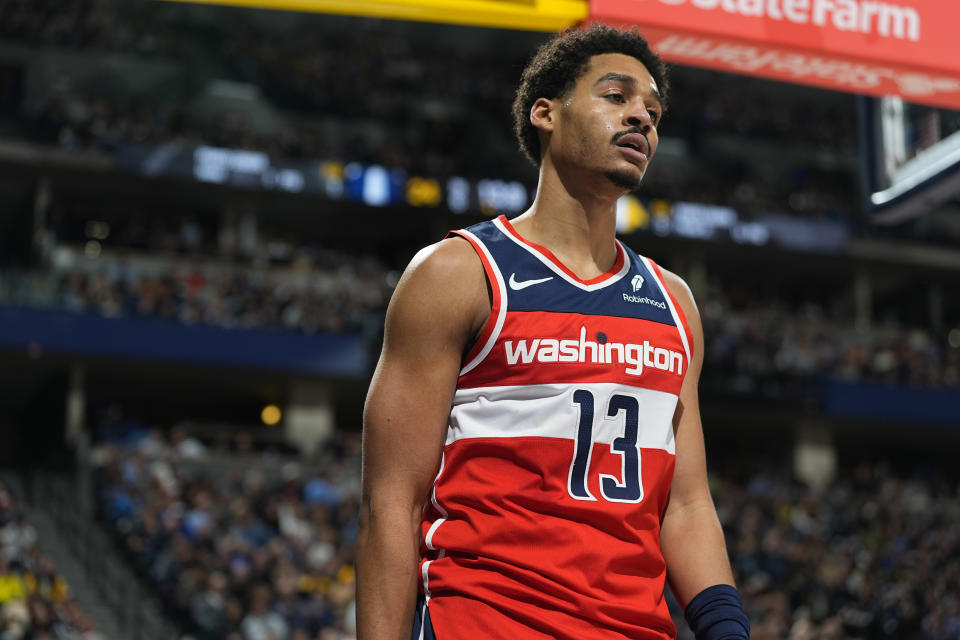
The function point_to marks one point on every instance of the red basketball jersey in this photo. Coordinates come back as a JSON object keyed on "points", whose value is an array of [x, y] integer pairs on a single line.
{"points": [[544, 518]]}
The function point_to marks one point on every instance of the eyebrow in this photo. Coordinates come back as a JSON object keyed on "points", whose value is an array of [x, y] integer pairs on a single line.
{"points": [[623, 78]]}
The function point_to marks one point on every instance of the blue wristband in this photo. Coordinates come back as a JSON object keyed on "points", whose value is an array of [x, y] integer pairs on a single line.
{"points": [[716, 613]]}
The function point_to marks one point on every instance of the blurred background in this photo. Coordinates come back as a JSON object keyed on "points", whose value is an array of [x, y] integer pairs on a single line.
{"points": [[203, 213]]}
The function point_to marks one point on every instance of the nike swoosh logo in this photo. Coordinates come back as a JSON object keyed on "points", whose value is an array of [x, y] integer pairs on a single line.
{"points": [[523, 284]]}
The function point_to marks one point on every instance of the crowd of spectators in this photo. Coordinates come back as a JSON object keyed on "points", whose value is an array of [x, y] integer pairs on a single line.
{"points": [[265, 553], [336, 300], [342, 298], [874, 554], [35, 602], [376, 92], [768, 345]]}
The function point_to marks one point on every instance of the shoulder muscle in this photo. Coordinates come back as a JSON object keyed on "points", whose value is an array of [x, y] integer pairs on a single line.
{"points": [[442, 292]]}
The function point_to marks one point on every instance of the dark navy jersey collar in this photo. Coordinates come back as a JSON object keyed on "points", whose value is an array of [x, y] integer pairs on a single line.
{"points": [[620, 268]]}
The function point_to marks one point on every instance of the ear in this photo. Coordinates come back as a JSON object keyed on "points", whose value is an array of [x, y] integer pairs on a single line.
{"points": [[541, 114]]}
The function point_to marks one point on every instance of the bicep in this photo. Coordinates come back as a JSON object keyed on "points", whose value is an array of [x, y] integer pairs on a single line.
{"points": [[690, 472], [429, 322], [404, 423]]}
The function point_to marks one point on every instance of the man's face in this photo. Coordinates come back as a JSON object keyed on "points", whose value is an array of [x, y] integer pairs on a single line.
{"points": [[608, 122]]}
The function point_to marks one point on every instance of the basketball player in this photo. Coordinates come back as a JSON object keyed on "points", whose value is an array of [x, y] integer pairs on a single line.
{"points": [[533, 460]]}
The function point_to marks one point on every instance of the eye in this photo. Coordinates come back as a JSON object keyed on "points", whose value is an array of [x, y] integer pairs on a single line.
{"points": [[654, 116], [615, 97]]}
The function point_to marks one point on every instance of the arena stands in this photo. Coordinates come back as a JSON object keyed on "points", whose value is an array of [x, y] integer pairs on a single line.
{"points": [[262, 549], [770, 340], [309, 300], [873, 555], [35, 601]]}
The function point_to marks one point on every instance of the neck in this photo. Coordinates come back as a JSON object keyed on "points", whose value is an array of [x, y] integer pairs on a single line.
{"points": [[575, 219]]}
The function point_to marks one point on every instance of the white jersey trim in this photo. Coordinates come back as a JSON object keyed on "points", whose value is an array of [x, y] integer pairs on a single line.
{"points": [[557, 270], [428, 539], [673, 312], [501, 316], [549, 412]]}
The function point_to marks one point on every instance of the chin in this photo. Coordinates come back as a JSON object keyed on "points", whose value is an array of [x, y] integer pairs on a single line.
{"points": [[629, 180]]}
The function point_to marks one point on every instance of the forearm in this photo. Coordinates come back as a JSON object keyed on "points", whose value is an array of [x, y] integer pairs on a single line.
{"points": [[694, 549], [387, 559]]}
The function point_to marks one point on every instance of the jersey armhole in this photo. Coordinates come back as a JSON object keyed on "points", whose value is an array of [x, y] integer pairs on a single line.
{"points": [[491, 328], [676, 306]]}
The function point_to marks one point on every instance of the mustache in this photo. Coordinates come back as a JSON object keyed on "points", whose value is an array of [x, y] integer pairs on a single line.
{"points": [[620, 134]]}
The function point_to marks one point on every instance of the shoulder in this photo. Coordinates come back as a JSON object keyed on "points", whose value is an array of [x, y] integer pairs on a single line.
{"points": [[444, 284], [684, 297], [681, 291], [445, 271], [451, 257]]}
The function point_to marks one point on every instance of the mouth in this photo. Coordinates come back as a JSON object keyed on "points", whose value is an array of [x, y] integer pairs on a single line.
{"points": [[635, 147], [634, 154]]}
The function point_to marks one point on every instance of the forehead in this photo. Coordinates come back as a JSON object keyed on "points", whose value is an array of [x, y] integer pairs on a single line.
{"points": [[620, 63]]}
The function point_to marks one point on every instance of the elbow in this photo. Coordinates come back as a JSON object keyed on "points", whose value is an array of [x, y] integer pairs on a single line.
{"points": [[365, 517], [385, 515]]}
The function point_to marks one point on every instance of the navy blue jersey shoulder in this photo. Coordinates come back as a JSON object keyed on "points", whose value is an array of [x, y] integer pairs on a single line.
{"points": [[533, 283]]}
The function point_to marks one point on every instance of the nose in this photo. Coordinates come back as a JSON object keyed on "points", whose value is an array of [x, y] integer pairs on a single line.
{"points": [[639, 118]]}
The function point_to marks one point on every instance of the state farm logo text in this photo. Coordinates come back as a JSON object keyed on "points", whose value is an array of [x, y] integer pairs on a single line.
{"points": [[635, 356], [862, 16]]}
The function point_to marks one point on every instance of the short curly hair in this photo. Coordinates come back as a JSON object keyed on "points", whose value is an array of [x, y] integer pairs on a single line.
{"points": [[559, 63]]}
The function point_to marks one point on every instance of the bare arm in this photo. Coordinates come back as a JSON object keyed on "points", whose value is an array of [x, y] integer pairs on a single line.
{"points": [[691, 537], [437, 307]]}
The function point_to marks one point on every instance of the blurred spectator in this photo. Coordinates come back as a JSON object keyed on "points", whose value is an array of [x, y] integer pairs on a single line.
{"points": [[262, 623]]}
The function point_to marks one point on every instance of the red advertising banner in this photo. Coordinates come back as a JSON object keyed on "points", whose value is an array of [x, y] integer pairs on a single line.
{"points": [[897, 47]]}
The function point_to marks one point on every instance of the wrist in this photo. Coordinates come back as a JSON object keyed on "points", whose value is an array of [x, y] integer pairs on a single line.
{"points": [[716, 613]]}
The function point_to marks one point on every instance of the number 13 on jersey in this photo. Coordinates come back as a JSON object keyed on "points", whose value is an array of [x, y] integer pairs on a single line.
{"points": [[627, 488]]}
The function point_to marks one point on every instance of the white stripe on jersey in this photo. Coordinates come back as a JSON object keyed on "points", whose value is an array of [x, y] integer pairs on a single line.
{"points": [[503, 303], [548, 411], [428, 540]]}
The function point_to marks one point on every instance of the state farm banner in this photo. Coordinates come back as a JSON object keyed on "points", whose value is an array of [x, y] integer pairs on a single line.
{"points": [[902, 47]]}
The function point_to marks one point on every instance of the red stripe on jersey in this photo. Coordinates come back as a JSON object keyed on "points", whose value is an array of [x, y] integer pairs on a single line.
{"points": [[614, 270], [676, 305], [537, 347], [494, 288]]}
